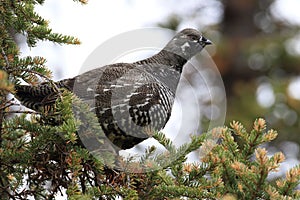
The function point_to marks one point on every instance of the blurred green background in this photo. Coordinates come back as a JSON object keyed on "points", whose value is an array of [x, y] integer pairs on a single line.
{"points": [[257, 52]]}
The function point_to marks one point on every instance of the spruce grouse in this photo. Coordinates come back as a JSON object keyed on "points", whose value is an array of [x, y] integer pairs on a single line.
{"points": [[127, 98]]}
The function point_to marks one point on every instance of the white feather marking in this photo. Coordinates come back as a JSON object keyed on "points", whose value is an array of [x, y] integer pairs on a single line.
{"points": [[184, 46], [130, 95], [89, 89], [116, 86]]}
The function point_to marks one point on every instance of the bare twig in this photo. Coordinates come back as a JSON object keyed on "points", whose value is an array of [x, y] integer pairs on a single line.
{"points": [[7, 104], [5, 58], [21, 111]]}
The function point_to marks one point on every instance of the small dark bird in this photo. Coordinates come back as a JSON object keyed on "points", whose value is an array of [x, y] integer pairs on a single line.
{"points": [[129, 99]]}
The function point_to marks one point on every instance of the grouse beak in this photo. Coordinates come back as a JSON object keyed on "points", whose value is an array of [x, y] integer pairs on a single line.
{"points": [[205, 41]]}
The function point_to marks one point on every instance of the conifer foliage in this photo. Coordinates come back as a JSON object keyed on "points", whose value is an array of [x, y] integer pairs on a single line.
{"points": [[43, 161]]}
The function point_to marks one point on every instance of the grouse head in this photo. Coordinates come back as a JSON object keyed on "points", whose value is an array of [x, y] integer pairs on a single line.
{"points": [[187, 43]]}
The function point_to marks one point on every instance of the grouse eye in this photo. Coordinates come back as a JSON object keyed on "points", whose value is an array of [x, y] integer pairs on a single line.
{"points": [[193, 37]]}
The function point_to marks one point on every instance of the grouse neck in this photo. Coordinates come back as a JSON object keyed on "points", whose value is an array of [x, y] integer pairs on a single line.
{"points": [[167, 59]]}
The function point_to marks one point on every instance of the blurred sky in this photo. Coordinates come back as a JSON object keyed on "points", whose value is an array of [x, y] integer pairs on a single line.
{"points": [[98, 21]]}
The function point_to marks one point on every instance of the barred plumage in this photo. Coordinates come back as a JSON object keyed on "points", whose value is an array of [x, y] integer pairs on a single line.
{"points": [[128, 98]]}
